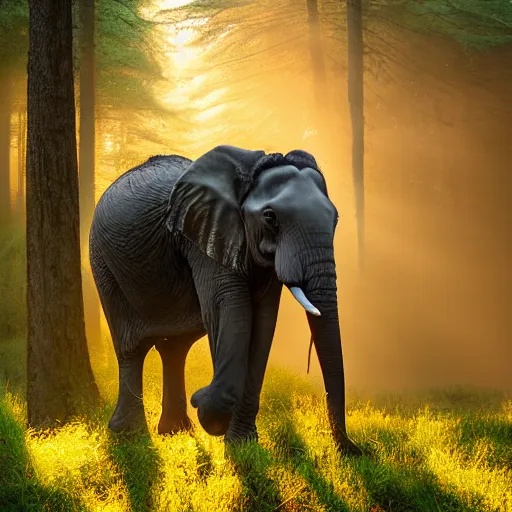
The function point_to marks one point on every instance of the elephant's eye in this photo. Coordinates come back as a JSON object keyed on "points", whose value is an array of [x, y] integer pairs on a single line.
{"points": [[270, 217]]}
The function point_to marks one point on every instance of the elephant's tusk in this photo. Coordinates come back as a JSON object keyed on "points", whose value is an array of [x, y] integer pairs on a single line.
{"points": [[303, 301]]}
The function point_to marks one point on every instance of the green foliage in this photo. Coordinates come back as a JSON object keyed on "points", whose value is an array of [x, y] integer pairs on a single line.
{"points": [[122, 40], [121, 90], [125, 58], [13, 33], [451, 456], [478, 24]]}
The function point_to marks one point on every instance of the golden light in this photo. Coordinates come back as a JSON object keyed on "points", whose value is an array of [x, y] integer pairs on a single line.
{"points": [[171, 4], [176, 97], [182, 54], [183, 37], [178, 56], [162, 5], [207, 100], [183, 58], [108, 144], [198, 80], [211, 112]]}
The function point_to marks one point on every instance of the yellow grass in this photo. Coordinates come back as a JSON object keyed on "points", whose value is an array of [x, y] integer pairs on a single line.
{"points": [[453, 458]]}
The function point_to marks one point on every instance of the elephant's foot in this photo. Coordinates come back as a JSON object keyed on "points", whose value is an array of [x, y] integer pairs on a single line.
{"points": [[212, 417], [346, 445], [128, 420], [169, 425]]}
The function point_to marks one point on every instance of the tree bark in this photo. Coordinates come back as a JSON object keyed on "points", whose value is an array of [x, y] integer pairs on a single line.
{"points": [[87, 163], [60, 382], [356, 101], [5, 147]]}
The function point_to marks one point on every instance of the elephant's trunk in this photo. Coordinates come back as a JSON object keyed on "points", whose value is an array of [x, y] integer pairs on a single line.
{"points": [[306, 260], [313, 270], [320, 288], [326, 335]]}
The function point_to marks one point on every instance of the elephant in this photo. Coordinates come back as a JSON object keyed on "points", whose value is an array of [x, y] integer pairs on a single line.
{"points": [[183, 248]]}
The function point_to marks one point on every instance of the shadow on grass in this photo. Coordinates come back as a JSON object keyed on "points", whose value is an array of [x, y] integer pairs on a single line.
{"points": [[389, 486], [138, 461], [497, 432], [294, 453], [405, 484], [290, 448], [20, 490], [205, 463], [397, 485], [402, 489], [252, 462]]}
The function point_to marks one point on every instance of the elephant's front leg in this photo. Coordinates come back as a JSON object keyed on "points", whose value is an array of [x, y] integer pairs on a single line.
{"points": [[265, 311], [227, 314]]}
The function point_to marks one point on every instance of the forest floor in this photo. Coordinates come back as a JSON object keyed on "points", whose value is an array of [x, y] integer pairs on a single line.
{"points": [[446, 450]]}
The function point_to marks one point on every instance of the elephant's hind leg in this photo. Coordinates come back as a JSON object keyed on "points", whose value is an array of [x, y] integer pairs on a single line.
{"points": [[173, 352], [129, 413], [129, 345]]}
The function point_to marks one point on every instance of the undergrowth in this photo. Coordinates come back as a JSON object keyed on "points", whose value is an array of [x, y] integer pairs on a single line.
{"points": [[447, 450]]}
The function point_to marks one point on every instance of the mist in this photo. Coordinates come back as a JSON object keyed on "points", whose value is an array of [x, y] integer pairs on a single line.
{"points": [[431, 306]]}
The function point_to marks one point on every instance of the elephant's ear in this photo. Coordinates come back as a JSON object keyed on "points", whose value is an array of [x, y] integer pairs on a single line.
{"points": [[205, 203]]}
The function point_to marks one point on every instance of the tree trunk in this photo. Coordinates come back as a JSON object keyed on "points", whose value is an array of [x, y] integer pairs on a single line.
{"points": [[317, 57], [60, 382], [356, 100], [87, 118], [5, 147], [22, 134], [86, 164]]}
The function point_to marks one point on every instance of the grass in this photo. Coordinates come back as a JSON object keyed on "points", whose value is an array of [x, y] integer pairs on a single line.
{"points": [[448, 450]]}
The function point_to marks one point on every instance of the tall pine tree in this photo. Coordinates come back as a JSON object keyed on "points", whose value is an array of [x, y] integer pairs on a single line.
{"points": [[60, 379], [356, 101], [86, 161]]}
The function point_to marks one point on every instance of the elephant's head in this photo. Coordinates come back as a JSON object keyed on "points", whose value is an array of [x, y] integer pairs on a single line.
{"points": [[246, 208]]}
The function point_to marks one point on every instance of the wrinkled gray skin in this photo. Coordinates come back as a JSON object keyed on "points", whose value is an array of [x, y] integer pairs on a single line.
{"points": [[182, 248]]}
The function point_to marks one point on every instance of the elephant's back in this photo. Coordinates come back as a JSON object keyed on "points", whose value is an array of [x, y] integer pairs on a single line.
{"points": [[129, 232], [154, 179], [140, 195]]}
